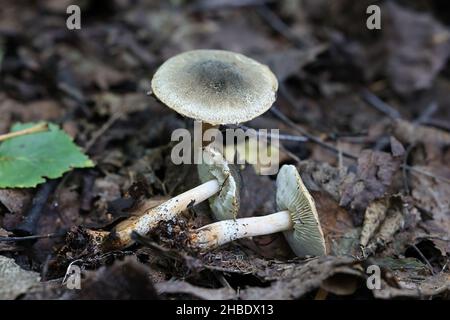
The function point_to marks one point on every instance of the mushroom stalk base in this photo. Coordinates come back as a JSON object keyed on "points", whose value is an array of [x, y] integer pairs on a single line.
{"points": [[120, 237], [216, 234]]}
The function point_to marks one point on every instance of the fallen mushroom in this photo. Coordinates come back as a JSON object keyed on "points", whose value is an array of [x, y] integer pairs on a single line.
{"points": [[221, 182], [298, 220], [215, 86]]}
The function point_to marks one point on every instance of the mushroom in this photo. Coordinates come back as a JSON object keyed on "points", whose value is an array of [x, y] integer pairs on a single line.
{"points": [[218, 179], [225, 204], [215, 86], [297, 219]]}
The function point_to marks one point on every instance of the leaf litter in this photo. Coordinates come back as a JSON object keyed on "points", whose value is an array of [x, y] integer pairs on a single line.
{"points": [[380, 184]]}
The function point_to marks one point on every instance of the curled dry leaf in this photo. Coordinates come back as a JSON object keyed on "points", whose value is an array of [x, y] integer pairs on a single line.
{"points": [[392, 222], [375, 214]]}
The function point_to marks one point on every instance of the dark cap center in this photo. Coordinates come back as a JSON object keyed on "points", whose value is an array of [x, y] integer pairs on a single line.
{"points": [[217, 76]]}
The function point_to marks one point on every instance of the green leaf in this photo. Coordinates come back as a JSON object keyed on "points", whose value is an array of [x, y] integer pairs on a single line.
{"points": [[26, 161]]}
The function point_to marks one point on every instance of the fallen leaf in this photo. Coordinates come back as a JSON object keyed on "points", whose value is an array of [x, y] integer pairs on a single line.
{"points": [[411, 133], [418, 47], [15, 281], [26, 161], [374, 176], [393, 222], [15, 200], [373, 217]]}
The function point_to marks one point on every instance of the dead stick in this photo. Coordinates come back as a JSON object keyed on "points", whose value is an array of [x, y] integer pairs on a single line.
{"points": [[37, 128]]}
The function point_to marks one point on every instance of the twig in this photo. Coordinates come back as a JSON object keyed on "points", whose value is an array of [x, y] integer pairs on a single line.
{"points": [[437, 123], [315, 139], [207, 5], [35, 237], [426, 173], [423, 258], [279, 136], [404, 171], [29, 224], [379, 104], [427, 113], [37, 128], [105, 127], [278, 25]]}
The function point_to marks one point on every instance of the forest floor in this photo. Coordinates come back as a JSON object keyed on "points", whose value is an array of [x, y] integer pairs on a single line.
{"points": [[374, 106]]}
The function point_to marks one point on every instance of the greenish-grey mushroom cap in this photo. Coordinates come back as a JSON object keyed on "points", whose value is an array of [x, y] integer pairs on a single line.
{"points": [[215, 86], [306, 238], [225, 204]]}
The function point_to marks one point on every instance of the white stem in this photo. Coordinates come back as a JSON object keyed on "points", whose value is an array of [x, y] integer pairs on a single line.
{"points": [[216, 234], [165, 211]]}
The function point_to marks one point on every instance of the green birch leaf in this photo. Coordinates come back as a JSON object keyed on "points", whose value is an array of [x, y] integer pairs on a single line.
{"points": [[26, 161]]}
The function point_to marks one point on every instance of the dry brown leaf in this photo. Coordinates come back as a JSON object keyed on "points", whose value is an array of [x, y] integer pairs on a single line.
{"points": [[374, 216], [374, 176], [410, 133], [418, 47], [390, 225], [15, 200], [14, 280]]}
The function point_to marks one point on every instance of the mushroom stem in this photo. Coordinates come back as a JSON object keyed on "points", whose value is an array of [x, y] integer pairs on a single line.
{"points": [[121, 236], [171, 208], [216, 234]]}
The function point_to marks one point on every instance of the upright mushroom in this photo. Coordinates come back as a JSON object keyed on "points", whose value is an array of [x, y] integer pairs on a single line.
{"points": [[215, 86], [222, 182], [297, 219]]}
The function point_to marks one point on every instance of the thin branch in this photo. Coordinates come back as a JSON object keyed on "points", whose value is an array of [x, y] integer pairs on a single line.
{"points": [[404, 171], [280, 136], [278, 25], [34, 237], [426, 173], [423, 258], [105, 127], [426, 114], [379, 104], [35, 129], [29, 224], [315, 139], [437, 123]]}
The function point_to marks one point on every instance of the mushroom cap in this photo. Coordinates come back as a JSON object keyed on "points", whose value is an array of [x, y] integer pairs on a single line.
{"points": [[306, 238], [225, 204], [215, 86]]}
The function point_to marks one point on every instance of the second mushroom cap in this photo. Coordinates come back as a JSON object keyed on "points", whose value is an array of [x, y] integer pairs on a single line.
{"points": [[306, 238]]}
